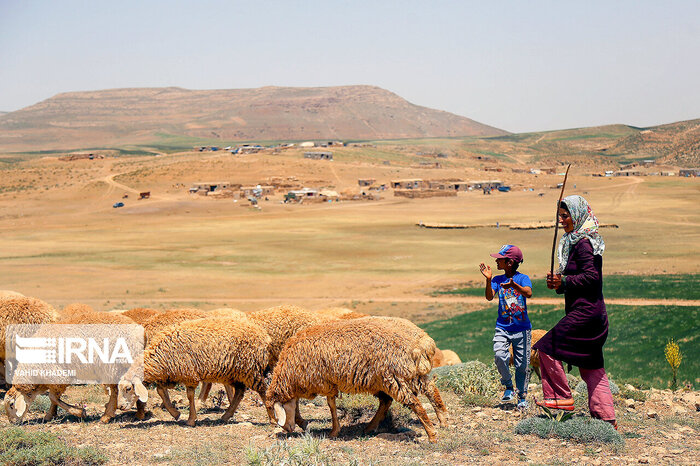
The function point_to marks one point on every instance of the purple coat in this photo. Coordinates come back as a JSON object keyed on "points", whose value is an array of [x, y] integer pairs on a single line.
{"points": [[578, 338]]}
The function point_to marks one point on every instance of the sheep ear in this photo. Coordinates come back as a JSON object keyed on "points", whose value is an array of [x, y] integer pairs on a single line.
{"points": [[20, 405], [280, 414], [140, 390]]}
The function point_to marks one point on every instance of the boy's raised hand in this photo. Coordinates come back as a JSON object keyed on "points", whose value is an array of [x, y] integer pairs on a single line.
{"points": [[485, 271]]}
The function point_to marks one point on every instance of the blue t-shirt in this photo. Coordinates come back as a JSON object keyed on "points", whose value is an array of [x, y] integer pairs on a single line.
{"points": [[512, 307]]}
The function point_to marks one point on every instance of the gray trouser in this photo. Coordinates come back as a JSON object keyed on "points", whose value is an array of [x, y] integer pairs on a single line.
{"points": [[521, 358]]}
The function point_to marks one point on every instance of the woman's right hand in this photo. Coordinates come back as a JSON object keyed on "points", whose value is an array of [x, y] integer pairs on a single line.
{"points": [[485, 271], [553, 282]]}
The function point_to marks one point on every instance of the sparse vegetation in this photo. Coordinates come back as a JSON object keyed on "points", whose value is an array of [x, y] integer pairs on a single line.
{"points": [[580, 429], [308, 452], [19, 447], [476, 383]]}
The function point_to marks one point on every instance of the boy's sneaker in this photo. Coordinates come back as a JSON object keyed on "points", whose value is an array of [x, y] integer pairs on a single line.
{"points": [[522, 403], [508, 395]]}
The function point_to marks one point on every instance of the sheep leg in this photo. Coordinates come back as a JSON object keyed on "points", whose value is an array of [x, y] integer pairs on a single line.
{"points": [[51, 413], [140, 410], [334, 416], [270, 411], [433, 395], [298, 420], [234, 400], [74, 410], [415, 406], [111, 406], [384, 404], [192, 419], [204, 391], [163, 392]]}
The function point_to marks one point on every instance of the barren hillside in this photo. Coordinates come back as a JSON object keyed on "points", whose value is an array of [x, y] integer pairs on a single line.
{"points": [[82, 119]]}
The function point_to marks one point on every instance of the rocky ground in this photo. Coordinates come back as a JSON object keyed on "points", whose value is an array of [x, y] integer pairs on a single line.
{"points": [[658, 427]]}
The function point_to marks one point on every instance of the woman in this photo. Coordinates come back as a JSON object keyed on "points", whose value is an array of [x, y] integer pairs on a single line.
{"points": [[578, 338]]}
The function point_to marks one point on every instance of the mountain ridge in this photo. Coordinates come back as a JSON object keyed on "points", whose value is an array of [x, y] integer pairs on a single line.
{"points": [[267, 113]]}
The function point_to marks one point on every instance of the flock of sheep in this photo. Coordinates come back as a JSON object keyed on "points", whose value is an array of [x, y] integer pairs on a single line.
{"points": [[282, 353]]}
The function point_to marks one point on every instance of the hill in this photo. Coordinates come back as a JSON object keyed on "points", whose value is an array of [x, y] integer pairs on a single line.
{"points": [[98, 118]]}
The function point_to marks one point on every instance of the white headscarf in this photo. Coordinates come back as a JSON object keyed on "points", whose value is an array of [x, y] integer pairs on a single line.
{"points": [[585, 226]]}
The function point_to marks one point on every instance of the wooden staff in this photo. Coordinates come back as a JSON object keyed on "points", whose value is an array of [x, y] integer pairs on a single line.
{"points": [[556, 220]]}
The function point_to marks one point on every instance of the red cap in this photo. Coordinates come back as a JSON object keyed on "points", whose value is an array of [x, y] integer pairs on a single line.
{"points": [[508, 251]]}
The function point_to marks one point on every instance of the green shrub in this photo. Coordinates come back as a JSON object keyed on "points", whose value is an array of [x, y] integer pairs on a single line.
{"points": [[19, 447], [578, 429], [474, 382], [308, 452]]}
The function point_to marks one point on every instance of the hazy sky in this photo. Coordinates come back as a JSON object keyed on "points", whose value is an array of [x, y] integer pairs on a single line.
{"points": [[517, 65]]}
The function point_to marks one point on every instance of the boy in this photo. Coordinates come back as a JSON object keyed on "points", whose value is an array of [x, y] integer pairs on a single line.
{"points": [[512, 326]]}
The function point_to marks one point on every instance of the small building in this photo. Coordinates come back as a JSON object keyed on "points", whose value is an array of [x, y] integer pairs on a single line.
{"points": [[413, 183], [318, 155], [303, 193], [204, 188], [628, 173], [257, 191], [548, 170], [668, 173], [366, 181], [689, 172], [490, 184], [247, 149]]}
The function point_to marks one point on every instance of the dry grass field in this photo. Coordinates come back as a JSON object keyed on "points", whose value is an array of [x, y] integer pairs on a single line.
{"points": [[63, 241]]}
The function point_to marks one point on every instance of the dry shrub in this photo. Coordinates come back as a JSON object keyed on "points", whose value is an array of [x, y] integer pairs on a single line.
{"points": [[474, 382]]}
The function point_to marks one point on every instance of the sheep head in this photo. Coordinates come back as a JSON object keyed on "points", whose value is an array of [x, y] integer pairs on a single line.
{"points": [[285, 414], [16, 404], [130, 391]]}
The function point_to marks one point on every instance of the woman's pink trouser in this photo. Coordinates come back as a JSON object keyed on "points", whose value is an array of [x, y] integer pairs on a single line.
{"points": [[556, 387]]}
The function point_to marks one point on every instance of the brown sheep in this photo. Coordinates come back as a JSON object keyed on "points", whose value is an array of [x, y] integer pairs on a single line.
{"points": [[21, 396], [5, 294], [424, 352], [341, 313], [140, 314], [535, 336], [74, 311], [351, 356], [161, 321], [445, 358], [21, 310], [282, 322], [235, 353]]}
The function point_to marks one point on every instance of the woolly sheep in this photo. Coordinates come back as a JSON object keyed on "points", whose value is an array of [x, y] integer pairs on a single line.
{"points": [[140, 314], [282, 322], [225, 312], [535, 336], [217, 350], [4, 294], [19, 397], [160, 321], [352, 356], [74, 311], [424, 352], [21, 310], [445, 358], [340, 313]]}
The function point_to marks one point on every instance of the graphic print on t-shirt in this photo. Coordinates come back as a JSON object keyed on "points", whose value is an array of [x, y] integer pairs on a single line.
{"points": [[513, 308]]}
